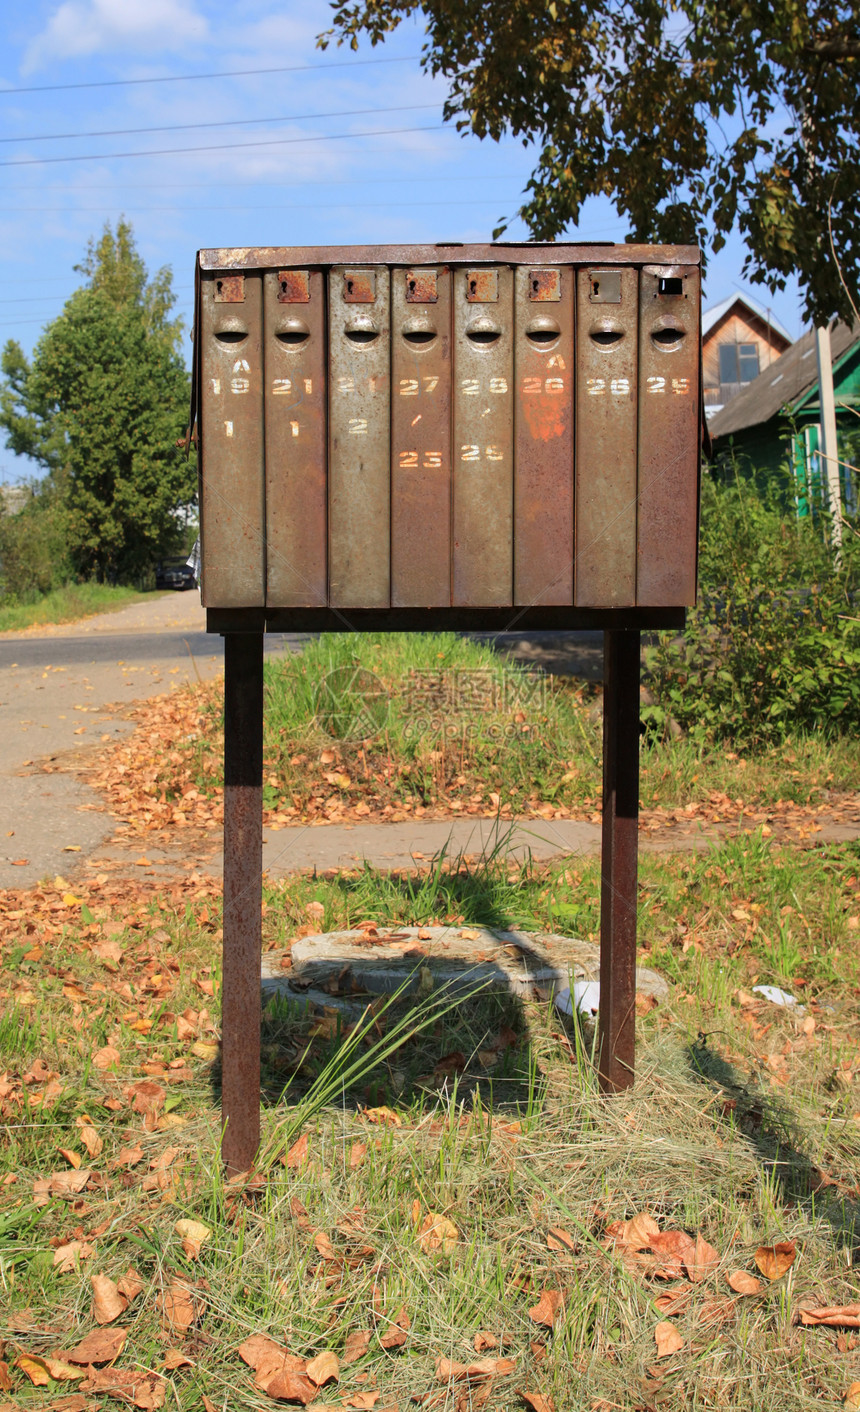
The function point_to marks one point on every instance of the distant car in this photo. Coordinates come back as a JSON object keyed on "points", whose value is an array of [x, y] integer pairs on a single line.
{"points": [[174, 573]]}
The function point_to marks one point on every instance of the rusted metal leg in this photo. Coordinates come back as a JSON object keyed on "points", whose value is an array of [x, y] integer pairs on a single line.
{"points": [[619, 860], [243, 884]]}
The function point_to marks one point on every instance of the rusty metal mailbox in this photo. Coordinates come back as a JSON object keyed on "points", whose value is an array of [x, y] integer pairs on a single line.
{"points": [[431, 437], [462, 428]]}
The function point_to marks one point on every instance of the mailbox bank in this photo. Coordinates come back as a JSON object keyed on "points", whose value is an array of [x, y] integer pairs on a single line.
{"points": [[438, 437]]}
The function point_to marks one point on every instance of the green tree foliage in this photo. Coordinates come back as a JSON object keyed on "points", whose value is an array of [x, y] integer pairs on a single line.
{"points": [[101, 407], [33, 543], [692, 115], [774, 644]]}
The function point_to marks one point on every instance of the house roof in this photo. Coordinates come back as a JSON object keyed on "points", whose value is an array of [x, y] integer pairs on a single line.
{"points": [[711, 317], [784, 382]]}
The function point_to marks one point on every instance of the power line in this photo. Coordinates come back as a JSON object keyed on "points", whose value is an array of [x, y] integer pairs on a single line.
{"points": [[424, 180], [216, 147], [228, 73], [224, 122], [338, 206]]}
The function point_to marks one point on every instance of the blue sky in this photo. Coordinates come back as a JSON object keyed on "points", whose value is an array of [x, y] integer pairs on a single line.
{"points": [[338, 151]]}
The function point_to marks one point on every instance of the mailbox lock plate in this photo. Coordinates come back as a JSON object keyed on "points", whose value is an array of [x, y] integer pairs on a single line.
{"points": [[359, 286], [294, 287], [605, 286], [229, 289]]}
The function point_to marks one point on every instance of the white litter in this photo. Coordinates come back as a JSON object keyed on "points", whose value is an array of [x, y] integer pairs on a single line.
{"points": [[586, 998], [776, 996]]}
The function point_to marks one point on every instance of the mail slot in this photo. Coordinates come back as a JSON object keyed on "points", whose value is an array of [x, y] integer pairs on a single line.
{"points": [[359, 438], [421, 438], [230, 398], [295, 430], [449, 428]]}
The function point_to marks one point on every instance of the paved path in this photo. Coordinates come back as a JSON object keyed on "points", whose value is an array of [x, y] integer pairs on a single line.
{"points": [[67, 688]]}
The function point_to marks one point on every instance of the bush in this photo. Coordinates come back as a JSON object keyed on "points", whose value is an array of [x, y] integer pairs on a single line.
{"points": [[774, 645], [33, 553]]}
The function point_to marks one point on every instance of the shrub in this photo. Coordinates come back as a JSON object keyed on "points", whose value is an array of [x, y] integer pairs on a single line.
{"points": [[774, 645]]}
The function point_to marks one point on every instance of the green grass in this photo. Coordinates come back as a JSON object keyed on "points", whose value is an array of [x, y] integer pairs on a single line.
{"points": [[457, 729], [67, 605], [743, 1126]]}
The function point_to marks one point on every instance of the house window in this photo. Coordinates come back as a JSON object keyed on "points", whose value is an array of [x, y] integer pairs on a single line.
{"points": [[738, 363]]}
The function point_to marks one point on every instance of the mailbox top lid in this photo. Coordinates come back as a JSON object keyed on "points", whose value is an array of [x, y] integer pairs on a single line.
{"points": [[445, 253]]}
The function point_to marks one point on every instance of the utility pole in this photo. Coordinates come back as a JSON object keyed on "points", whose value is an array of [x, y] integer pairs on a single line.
{"points": [[828, 449]]}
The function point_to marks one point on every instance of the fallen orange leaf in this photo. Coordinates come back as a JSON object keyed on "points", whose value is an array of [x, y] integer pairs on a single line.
{"points": [[398, 1329], [325, 1368], [298, 1153], [482, 1341], [357, 1344], [436, 1232], [43, 1370], [743, 1283], [547, 1307], [537, 1401], [839, 1316], [775, 1260], [108, 1303], [99, 1346], [557, 1239], [356, 1155], [68, 1256], [178, 1306], [667, 1339], [383, 1115]]}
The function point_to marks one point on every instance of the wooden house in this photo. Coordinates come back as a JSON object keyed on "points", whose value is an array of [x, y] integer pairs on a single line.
{"points": [[774, 422], [740, 340]]}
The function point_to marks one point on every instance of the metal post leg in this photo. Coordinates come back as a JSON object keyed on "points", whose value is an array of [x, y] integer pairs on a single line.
{"points": [[243, 884], [619, 860]]}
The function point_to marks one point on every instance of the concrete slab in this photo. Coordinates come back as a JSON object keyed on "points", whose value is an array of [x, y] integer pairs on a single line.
{"points": [[336, 966]]}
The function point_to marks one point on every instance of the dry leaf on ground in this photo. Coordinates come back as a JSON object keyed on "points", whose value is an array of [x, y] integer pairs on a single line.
{"points": [[108, 1303], [398, 1328], [383, 1115], [667, 1339], [547, 1307], [852, 1396], [357, 1154], [705, 1260], [637, 1233], [141, 1388], [148, 1097], [674, 1301], [364, 1400], [68, 1184], [483, 1341], [89, 1136], [838, 1316], [743, 1283], [67, 1257], [99, 1346], [193, 1234], [106, 1057], [42, 1369], [436, 1232], [557, 1239], [357, 1344], [130, 1284], [537, 1401], [179, 1309], [448, 1370], [175, 1358], [775, 1260], [297, 1156], [325, 1368]]}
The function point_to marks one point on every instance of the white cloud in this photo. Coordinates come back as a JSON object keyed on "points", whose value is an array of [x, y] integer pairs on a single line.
{"points": [[80, 27]]}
